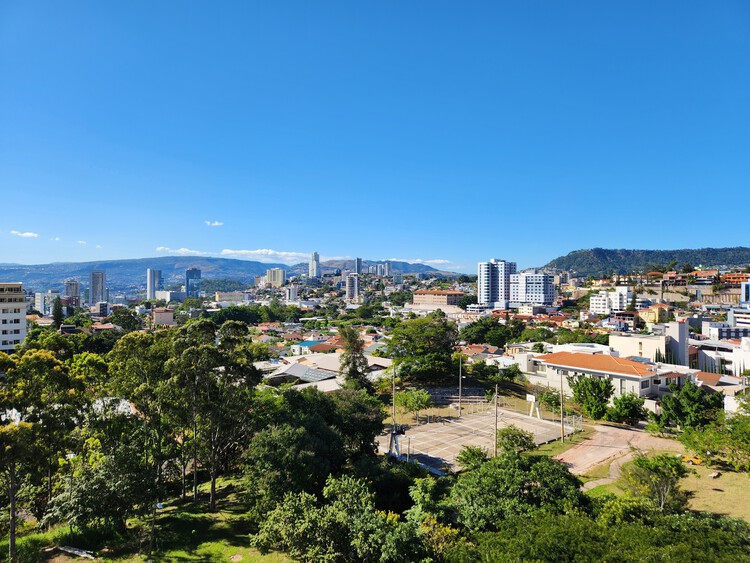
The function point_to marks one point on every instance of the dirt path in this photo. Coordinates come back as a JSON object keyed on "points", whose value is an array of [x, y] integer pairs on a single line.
{"points": [[615, 444]]}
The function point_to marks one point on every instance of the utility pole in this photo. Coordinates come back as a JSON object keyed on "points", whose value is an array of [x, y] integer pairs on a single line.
{"points": [[494, 449], [562, 410], [394, 399], [460, 363]]}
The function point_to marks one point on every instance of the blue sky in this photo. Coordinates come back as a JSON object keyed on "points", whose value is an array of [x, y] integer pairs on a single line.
{"points": [[446, 132]]}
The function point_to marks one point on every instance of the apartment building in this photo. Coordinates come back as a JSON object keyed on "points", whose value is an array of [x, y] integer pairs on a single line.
{"points": [[493, 283], [12, 315]]}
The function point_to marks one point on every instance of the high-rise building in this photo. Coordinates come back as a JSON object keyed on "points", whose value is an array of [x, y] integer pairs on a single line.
{"points": [[493, 283], [44, 302], [97, 286], [72, 292], [275, 277], [154, 283], [313, 270], [358, 265], [532, 287], [193, 282], [291, 293], [352, 288], [12, 315]]}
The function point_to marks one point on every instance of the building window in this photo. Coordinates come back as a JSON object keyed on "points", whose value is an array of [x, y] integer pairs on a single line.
{"points": [[645, 384], [657, 381]]}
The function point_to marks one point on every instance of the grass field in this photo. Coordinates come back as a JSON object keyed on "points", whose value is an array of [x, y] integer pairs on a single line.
{"points": [[184, 532], [728, 495]]}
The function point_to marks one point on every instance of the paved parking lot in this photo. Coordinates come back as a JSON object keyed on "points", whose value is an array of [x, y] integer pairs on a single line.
{"points": [[437, 444]]}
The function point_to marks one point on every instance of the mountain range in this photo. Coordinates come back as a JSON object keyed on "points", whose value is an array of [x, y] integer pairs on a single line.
{"points": [[601, 261], [130, 275]]}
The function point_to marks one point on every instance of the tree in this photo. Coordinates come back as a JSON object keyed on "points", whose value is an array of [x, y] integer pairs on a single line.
{"points": [[626, 408], [353, 366], [689, 406], [592, 394], [126, 319], [414, 401], [656, 478], [726, 440], [16, 446], [423, 347], [512, 485], [57, 313], [471, 457], [345, 527], [467, 300], [513, 439]]}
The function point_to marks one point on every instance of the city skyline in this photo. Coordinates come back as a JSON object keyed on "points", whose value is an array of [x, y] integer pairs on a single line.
{"points": [[461, 134]]}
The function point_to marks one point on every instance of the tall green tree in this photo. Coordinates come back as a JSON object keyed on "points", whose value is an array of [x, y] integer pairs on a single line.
{"points": [[17, 449], [422, 348], [592, 394], [689, 406], [353, 366], [58, 315]]}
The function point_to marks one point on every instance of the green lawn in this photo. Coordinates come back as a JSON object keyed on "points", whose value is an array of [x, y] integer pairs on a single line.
{"points": [[184, 532]]}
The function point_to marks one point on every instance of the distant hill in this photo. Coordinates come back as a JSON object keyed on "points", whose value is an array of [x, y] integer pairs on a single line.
{"points": [[601, 261], [130, 275]]}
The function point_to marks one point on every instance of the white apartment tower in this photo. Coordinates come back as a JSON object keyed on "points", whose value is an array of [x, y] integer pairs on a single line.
{"points": [[12, 316], [532, 287], [313, 270], [493, 283], [153, 283]]}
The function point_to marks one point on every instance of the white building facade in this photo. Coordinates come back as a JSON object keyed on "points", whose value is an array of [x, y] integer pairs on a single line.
{"points": [[493, 283], [12, 316], [532, 288]]}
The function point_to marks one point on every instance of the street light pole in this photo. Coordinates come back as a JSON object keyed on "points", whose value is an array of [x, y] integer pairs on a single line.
{"points": [[394, 399], [562, 410], [494, 450], [460, 364]]}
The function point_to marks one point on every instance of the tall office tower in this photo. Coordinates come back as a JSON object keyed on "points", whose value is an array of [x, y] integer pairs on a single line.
{"points": [[313, 270], [97, 286], [72, 292], [493, 283], [352, 288], [388, 269], [12, 315], [291, 293], [154, 283], [275, 277], [193, 282], [358, 265]]}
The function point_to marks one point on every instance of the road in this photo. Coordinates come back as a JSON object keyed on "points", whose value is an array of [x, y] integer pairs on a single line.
{"points": [[611, 443]]}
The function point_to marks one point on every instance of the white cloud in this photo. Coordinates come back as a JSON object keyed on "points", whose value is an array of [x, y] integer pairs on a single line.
{"points": [[55, 238], [27, 234], [181, 251], [268, 255], [81, 241], [99, 246], [213, 223]]}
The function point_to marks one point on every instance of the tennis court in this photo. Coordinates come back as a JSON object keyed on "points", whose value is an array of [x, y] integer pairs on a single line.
{"points": [[436, 444]]}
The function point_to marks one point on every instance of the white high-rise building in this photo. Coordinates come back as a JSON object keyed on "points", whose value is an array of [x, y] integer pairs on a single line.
{"points": [[532, 287], [154, 283], [313, 270], [493, 283], [358, 266], [12, 315], [352, 288]]}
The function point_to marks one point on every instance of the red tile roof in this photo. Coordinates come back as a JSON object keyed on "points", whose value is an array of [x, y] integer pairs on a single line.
{"points": [[597, 362]]}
